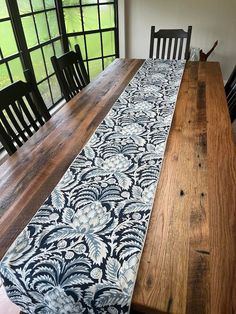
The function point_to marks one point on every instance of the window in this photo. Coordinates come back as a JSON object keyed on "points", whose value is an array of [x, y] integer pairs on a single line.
{"points": [[43, 40], [10, 64], [31, 31], [29, 36], [93, 24]]}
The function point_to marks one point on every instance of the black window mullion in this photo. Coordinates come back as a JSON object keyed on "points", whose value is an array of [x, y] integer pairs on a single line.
{"points": [[47, 23], [9, 58], [5, 19], [85, 43], [35, 25], [101, 40], [92, 31], [45, 43], [19, 35], [86, 5], [7, 65], [37, 12], [97, 58], [117, 49], [62, 25], [54, 52], [54, 49], [50, 36], [45, 79], [47, 73], [9, 72], [41, 48], [50, 89]]}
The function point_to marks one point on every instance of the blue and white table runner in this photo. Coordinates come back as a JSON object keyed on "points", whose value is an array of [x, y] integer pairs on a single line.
{"points": [[80, 252]]}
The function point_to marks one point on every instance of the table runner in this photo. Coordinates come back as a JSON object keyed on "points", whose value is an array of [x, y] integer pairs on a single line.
{"points": [[80, 252]]}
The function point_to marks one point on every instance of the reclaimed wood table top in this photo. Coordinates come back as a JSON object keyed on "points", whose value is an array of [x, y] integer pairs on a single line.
{"points": [[189, 260]]}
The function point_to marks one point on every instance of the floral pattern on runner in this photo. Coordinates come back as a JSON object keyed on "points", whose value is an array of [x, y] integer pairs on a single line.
{"points": [[80, 252]]}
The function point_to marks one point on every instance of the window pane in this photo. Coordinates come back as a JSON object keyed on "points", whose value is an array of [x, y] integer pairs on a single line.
{"points": [[53, 24], [44, 91], [29, 30], [3, 10], [56, 91], [58, 48], [88, 1], [5, 79], [102, 1], [108, 61], [39, 68], [90, 18], [95, 67], [108, 41], [48, 53], [70, 2], [93, 45], [16, 70], [107, 16], [37, 5], [7, 39], [41, 25], [73, 20], [80, 41], [50, 4], [24, 6]]}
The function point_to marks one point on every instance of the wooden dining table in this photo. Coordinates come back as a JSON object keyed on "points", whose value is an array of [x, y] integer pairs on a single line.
{"points": [[188, 264]]}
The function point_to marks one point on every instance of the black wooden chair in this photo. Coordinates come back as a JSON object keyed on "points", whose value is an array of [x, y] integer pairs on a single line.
{"points": [[230, 91], [22, 112], [71, 73], [170, 43]]}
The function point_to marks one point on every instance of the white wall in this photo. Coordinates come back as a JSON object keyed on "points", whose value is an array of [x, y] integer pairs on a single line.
{"points": [[211, 20]]}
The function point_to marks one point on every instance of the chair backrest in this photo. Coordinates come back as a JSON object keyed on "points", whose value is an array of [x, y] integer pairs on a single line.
{"points": [[170, 43], [22, 112], [71, 73], [230, 91]]}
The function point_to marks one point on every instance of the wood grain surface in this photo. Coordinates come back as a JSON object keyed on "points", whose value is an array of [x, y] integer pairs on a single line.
{"points": [[189, 258], [29, 176]]}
